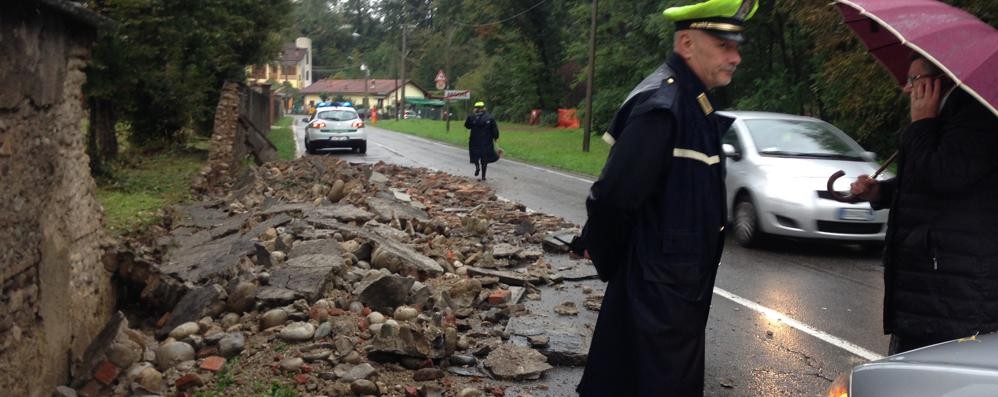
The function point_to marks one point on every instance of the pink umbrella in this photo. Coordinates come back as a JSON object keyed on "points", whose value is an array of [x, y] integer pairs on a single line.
{"points": [[964, 47]]}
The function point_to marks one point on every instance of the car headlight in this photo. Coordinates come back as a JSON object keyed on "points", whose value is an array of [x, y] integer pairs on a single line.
{"points": [[840, 388]]}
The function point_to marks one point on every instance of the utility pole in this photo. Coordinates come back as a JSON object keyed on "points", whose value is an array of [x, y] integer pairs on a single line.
{"points": [[367, 83], [589, 80], [396, 90], [402, 68], [450, 38]]}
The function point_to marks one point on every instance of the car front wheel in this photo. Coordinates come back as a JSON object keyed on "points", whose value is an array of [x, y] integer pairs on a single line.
{"points": [[746, 223]]}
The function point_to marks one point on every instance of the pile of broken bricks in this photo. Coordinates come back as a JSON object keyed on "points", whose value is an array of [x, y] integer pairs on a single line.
{"points": [[336, 279]]}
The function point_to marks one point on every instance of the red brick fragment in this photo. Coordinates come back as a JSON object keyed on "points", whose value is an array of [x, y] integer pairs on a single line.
{"points": [[106, 373], [213, 363], [498, 297], [302, 379]]}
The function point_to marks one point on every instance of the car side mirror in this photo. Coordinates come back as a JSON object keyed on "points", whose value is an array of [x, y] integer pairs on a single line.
{"points": [[731, 152], [304, 120], [868, 156]]}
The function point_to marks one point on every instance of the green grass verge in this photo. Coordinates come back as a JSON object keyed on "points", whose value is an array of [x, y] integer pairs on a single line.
{"points": [[283, 138], [278, 389], [553, 147], [142, 184]]}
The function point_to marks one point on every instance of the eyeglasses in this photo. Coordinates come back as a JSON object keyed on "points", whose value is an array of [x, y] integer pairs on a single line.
{"points": [[913, 79]]}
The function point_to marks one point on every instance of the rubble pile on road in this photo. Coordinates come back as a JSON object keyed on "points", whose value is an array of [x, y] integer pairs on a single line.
{"points": [[338, 279]]}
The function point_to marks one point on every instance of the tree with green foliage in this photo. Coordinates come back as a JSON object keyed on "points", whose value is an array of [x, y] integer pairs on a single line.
{"points": [[163, 66], [519, 55]]}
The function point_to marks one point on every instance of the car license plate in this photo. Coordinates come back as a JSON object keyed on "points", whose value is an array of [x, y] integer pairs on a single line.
{"points": [[338, 138], [855, 214]]}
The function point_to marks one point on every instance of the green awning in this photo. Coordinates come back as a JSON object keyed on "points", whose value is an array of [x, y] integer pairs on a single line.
{"points": [[436, 103]]}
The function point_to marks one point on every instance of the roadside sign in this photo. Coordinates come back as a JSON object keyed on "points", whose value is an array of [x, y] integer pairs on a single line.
{"points": [[457, 94], [441, 79]]}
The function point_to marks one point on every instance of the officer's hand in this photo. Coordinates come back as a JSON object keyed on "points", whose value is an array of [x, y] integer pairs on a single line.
{"points": [[925, 96], [585, 255], [865, 188]]}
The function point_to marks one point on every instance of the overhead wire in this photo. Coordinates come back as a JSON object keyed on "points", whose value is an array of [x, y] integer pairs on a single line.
{"points": [[478, 25]]}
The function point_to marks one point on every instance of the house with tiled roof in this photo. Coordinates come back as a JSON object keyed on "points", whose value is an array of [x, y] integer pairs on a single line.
{"points": [[382, 93], [293, 66]]}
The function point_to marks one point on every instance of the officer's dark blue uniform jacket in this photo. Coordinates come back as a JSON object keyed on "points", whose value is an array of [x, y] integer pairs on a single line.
{"points": [[655, 232]]}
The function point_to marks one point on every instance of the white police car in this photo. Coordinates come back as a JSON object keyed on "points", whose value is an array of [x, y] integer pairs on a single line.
{"points": [[335, 127]]}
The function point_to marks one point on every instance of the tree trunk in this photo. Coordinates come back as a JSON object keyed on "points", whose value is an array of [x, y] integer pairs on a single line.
{"points": [[102, 142], [96, 165], [104, 121]]}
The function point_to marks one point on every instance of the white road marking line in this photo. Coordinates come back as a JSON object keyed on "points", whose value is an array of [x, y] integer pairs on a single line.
{"points": [[829, 338], [773, 314]]}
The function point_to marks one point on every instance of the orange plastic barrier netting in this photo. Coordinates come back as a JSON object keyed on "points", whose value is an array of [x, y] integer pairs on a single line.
{"points": [[567, 118]]}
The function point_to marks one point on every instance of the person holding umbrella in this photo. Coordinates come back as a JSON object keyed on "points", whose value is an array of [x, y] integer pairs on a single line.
{"points": [[941, 250], [941, 258], [483, 133]]}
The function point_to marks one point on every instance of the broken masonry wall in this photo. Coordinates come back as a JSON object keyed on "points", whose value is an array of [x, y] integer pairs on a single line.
{"points": [[242, 122], [56, 295], [226, 153]]}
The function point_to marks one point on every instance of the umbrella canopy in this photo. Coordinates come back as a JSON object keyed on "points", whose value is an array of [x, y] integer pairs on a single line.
{"points": [[964, 47]]}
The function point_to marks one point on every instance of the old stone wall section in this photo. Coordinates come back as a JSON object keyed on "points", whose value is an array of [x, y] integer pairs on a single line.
{"points": [[56, 295], [242, 120], [225, 155]]}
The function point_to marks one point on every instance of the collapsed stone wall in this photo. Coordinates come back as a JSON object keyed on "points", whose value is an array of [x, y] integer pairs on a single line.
{"points": [[56, 295], [227, 148], [242, 121]]}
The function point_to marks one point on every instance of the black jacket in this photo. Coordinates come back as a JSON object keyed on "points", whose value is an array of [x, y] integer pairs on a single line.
{"points": [[484, 131], [655, 215], [941, 259]]}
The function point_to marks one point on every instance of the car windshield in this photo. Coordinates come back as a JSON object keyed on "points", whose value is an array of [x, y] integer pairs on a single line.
{"points": [[801, 138], [337, 115]]}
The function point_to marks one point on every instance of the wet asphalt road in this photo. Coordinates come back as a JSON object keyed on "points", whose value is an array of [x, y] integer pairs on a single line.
{"points": [[832, 288]]}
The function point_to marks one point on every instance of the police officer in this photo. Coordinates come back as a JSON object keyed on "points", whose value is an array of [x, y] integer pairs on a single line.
{"points": [[483, 133], [656, 214]]}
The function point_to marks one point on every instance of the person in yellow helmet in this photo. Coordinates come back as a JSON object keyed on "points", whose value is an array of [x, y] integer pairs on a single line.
{"points": [[656, 214], [481, 140]]}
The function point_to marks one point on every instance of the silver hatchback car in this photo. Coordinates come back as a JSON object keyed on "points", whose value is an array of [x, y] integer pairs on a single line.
{"points": [[777, 170], [335, 127]]}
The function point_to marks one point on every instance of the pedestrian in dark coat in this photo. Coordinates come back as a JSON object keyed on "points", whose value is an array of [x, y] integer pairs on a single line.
{"points": [[656, 214], [481, 142], [941, 256]]}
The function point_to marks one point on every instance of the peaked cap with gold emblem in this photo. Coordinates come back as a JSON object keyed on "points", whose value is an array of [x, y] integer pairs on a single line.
{"points": [[722, 18]]}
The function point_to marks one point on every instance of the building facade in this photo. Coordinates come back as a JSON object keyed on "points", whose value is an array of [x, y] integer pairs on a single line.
{"points": [[294, 66], [381, 93]]}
